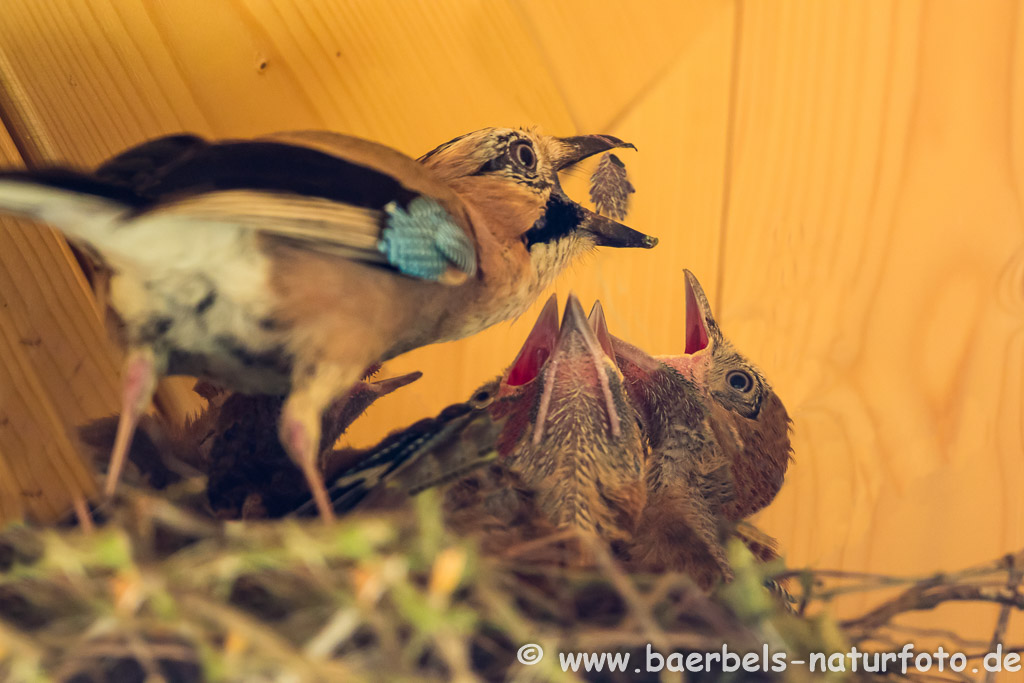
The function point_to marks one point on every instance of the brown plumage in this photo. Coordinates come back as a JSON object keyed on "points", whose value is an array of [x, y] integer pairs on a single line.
{"points": [[688, 476], [577, 464], [249, 472], [749, 421], [289, 264], [719, 444], [565, 459]]}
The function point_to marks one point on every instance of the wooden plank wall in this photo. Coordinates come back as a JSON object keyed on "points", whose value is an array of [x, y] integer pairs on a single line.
{"points": [[57, 369], [845, 177]]}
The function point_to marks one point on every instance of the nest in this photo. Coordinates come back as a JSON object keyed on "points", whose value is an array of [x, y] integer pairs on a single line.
{"points": [[164, 583], [162, 591], [159, 592]]}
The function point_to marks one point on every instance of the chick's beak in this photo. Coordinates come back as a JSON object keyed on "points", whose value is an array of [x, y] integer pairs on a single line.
{"points": [[698, 312], [576, 334], [578, 346], [600, 326]]}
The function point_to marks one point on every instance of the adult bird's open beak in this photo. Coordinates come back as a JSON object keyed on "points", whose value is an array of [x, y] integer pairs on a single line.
{"points": [[572, 150], [608, 233]]}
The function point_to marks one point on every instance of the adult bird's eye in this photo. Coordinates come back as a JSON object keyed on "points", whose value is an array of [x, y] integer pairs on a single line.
{"points": [[740, 381], [524, 155]]}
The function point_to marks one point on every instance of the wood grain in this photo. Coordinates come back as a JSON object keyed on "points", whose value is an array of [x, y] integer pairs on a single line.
{"points": [[679, 174], [872, 264], [846, 179], [57, 370], [378, 70]]}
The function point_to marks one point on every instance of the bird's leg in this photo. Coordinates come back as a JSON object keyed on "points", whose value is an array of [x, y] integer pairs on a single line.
{"points": [[137, 386], [313, 389]]}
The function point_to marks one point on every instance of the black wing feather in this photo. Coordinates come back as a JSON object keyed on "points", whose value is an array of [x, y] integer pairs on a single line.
{"points": [[181, 165], [141, 167], [78, 183]]}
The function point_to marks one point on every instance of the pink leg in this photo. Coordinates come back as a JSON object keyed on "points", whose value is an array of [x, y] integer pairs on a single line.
{"points": [[314, 387], [303, 445], [138, 385]]}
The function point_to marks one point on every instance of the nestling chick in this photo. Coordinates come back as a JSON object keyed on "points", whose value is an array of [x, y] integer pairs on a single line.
{"points": [[750, 422], [287, 265], [575, 449], [687, 473], [249, 473], [564, 455], [719, 444]]}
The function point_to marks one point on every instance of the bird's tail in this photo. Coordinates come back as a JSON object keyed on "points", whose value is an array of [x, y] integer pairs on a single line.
{"points": [[77, 204]]}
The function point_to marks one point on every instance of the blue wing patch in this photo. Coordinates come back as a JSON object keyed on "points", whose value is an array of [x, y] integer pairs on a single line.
{"points": [[424, 240]]}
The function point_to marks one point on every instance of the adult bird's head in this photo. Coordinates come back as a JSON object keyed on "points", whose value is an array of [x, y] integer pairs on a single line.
{"points": [[511, 176], [748, 418]]}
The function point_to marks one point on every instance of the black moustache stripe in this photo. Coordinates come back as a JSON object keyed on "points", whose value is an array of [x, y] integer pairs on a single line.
{"points": [[561, 217]]}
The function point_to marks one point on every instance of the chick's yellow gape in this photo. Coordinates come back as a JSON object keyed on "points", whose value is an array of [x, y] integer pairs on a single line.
{"points": [[290, 264]]}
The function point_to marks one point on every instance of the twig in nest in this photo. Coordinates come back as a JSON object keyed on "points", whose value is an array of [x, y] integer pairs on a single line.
{"points": [[962, 643], [264, 638], [82, 514], [627, 590], [151, 654], [987, 574], [924, 597], [1012, 585]]}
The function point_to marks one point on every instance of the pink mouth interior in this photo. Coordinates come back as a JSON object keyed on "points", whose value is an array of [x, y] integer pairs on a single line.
{"points": [[696, 332], [527, 365], [537, 348]]}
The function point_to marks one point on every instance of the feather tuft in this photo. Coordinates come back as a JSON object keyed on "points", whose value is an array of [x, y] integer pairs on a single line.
{"points": [[610, 187]]}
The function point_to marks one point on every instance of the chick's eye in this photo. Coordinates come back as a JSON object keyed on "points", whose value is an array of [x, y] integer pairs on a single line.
{"points": [[740, 381], [523, 154]]}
